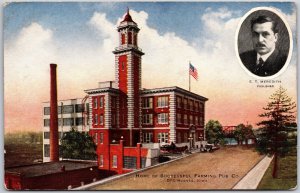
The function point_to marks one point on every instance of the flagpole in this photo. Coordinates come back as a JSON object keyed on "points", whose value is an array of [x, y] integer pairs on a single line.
{"points": [[189, 77]]}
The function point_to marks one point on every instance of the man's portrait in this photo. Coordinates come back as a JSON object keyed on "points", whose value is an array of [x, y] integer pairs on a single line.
{"points": [[263, 43]]}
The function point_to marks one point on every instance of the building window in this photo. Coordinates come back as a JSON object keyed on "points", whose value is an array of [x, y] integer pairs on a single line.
{"points": [[46, 110], [123, 38], [79, 108], [196, 106], [191, 105], [113, 102], [95, 119], [178, 137], [101, 120], [68, 121], [129, 37], [101, 160], [191, 119], [179, 102], [135, 39], [147, 103], [129, 162], [46, 150], [96, 138], [185, 120], [115, 161], [46, 122], [185, 104], [79, 121], [67, 109], [123, 103], [163, 118], [113, 119], [163, 101], [196, 120], [101, 138], [46, 135], [201, 107], [122, 119], [147, 137], [163, 137], [201, 121], [148, 119], [179, 118], [95, 102], [101, 102]]}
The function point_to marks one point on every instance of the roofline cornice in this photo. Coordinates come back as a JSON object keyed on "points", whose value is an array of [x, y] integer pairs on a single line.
{"points": [[173, 89], [102, 90]]}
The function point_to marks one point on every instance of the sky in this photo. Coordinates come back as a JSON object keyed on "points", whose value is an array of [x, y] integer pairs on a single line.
{"points": [[80, 38]]}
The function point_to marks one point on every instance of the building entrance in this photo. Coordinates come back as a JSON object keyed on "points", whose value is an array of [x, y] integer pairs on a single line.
{"points": [[192, 135]]}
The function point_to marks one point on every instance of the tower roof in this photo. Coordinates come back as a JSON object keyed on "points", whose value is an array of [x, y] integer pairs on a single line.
{"points": [[127, 17]]}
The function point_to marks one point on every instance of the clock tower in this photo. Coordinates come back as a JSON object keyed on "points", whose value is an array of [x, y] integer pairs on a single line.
{"points": [[128, 60]]}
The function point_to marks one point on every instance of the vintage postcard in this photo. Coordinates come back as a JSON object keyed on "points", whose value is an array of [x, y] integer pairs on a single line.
{"points": [[150, 95]]}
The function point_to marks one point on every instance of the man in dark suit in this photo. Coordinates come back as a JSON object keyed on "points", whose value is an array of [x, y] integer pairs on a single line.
{"points": [[266, 59]]}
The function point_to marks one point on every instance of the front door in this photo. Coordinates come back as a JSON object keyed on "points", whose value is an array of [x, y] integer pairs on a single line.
{"points": [[192, 136]]}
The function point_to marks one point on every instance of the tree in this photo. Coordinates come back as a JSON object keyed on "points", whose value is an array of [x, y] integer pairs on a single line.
{"points": [[214, 132], [273, 131], [78, 145], [243, 133]]}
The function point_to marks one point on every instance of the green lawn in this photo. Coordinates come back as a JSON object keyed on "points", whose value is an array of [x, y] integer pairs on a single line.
{"points": [[287, 175]]}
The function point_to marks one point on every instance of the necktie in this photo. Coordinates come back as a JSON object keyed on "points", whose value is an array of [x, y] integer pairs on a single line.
{"points": [[259, 65]]}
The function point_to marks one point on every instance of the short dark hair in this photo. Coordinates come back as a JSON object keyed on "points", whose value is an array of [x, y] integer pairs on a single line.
{"points": [[263, 19]]}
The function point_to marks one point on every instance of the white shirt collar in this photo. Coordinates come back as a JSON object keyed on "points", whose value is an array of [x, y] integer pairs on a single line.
{"points": [[264, 57]]}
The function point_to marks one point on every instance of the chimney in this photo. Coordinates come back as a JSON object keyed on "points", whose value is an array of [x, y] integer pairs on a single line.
{"points": [[54, 151]]}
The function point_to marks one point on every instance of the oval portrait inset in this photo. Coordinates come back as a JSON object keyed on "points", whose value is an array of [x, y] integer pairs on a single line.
{"points": [[264, 43]]}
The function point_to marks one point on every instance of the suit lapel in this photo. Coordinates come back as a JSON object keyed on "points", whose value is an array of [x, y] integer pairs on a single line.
{"points": [[270, 63], [272, 58]]}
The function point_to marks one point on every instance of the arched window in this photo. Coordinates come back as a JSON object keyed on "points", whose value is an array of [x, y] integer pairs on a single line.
{"points": [[123, 38], [135, 39], [129, 37]]}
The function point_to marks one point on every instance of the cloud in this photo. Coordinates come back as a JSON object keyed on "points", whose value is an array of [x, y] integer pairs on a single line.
{"points": [[167, 56], [291, 19], [25, 61], [26, 57], [160, 49], [103, 26]]}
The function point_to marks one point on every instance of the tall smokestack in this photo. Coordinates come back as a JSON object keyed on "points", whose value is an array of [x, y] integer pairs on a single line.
{"points": [[54, 148]]}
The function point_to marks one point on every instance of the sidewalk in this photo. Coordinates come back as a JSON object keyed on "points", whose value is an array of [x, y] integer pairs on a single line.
{"points": [[251, 180]]}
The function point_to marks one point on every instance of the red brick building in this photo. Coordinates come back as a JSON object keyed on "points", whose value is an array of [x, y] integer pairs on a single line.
{"points": [[123, 113], [52, 175]]}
